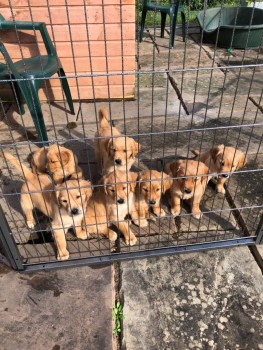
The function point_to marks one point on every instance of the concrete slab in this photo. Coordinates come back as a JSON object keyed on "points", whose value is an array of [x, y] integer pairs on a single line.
{"points": [[207, 300], [63, 309]]}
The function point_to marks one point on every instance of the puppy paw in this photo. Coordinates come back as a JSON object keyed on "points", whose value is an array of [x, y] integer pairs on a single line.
{"points": [[82, 235], [221, 190], [131, 241], [159, 212], [175, 212], [113, 236], [63, 256], [30, 224], [141, 222], [197, 215]]}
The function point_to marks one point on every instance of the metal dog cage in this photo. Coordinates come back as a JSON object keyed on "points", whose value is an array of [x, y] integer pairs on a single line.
{"points": [[196, 95]]}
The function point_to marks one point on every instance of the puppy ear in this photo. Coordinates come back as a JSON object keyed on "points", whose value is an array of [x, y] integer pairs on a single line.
{"points": [[58, 188], [242, 160], [175, 167], [167, 182], [135, 147], [215, 151], [86, 188], [133, 177], [65, 156], [108, 145], [203, 170], [104, 181]]}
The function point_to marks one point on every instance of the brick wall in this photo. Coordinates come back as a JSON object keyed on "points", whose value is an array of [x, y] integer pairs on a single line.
{"points": [[68, 30]]}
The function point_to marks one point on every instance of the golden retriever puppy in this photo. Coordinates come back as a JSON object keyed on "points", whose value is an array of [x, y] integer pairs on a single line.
{"points": [[189, 184], [151, 184], [59, 161], [110, 205], [65, 204], [222, 160], [113, 152]]}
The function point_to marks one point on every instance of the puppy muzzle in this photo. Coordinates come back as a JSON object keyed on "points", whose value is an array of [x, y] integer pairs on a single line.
{"points": [[118, 161], [225, 176], [120, 201], [151, 202], [75, 211]]}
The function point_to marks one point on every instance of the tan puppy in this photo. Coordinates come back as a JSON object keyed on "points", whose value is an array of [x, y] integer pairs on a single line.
{"points": [[113, 153], [110, 205], [222, 160], [191, 188], [57, 160], [65, 204], [149, 190]]}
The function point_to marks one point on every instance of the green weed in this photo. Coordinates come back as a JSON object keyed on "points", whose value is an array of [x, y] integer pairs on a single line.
{"points": [[118, 317]]}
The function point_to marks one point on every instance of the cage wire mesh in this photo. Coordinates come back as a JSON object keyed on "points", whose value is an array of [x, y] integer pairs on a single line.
{"points": [[195, 96]]}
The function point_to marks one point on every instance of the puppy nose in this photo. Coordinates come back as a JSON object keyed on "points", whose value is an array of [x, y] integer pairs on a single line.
{"points": [[74, 211], [186, 190], [225, 175], [120, 201], [152, 202], [118, 161]]}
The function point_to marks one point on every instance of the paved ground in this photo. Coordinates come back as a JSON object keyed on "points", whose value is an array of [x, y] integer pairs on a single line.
{"points": [[207, 300]]}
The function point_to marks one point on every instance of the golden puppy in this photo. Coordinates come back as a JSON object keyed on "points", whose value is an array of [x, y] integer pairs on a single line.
{"points": [[113, 153], [149, 190], [59, 161], [189, 184], [222, 160], [110, 205], [65, 204]]}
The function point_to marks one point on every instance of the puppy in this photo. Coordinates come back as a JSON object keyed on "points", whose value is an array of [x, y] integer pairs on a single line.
{"points": [[151, 184], [113, 153], [190, 187], [222, 160], [59, 161], [110, 205], [65, 204]]}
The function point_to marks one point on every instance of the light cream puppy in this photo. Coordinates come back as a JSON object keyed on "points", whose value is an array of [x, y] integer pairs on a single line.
{"points": [[59, 161], [222, 160], [113, 152], [189, 184], [65, 204], [110, 205]]}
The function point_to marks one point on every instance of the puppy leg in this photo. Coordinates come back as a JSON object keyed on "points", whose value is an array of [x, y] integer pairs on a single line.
{"points": [[139, 217], [60, 239], [111, 235], [175, 204], [195, 202], [27, 207], [220, 185], [129, 236], [158, 211]]}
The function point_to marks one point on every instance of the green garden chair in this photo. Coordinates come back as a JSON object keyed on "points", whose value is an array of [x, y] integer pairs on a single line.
{"points": [[171, 9], [29, 73]]}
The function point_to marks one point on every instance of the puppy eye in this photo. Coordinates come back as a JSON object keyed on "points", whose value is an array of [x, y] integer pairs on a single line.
{"points": [[158, 189], [64, 201], [222, 162], [124, 188], [124, 150], [114, 150], [78, 196], [145, 189], [112, 190]]}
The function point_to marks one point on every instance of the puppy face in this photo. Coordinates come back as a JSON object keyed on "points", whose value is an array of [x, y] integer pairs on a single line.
{"points": [[152, 184], [194, 177], [58, 157], [73, 196], [227, 160], [116, 186], [122, 150]]}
